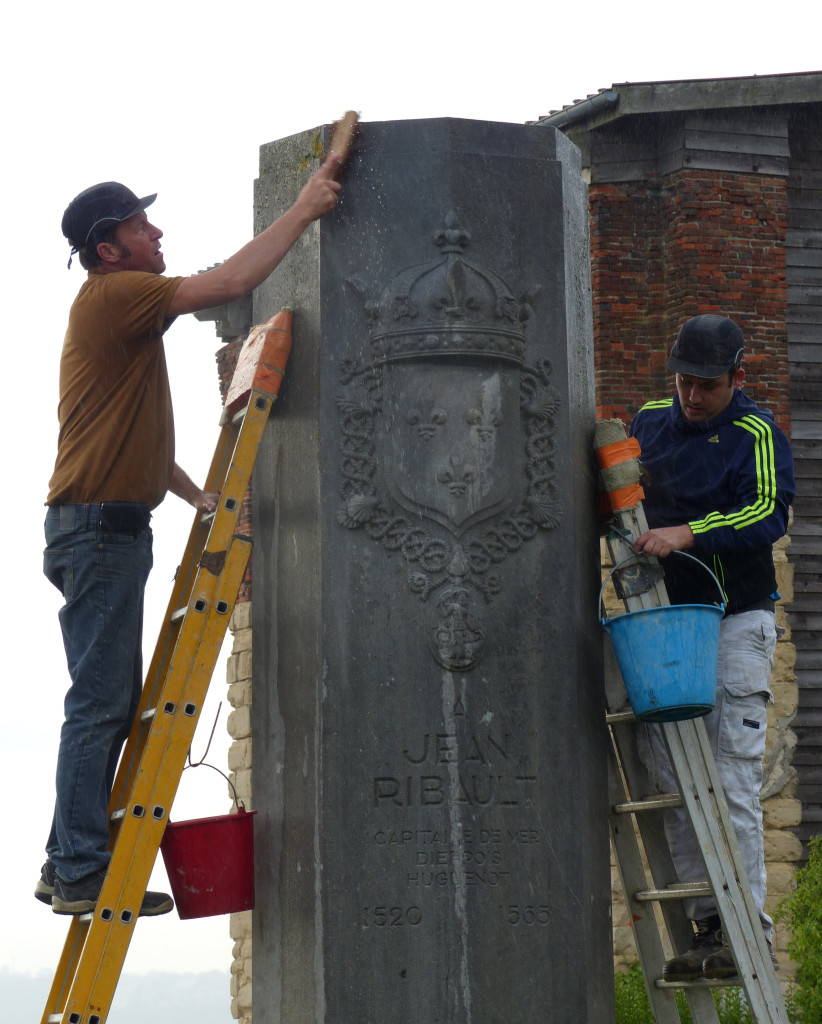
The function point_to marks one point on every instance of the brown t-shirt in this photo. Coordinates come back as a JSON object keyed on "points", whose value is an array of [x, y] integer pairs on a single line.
{"points": [[116, 440]]}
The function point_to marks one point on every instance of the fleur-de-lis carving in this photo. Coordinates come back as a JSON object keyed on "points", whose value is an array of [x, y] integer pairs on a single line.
{"points": [[452, 237]]}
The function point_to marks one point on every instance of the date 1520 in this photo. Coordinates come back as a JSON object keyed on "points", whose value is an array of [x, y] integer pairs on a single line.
{"points": [[390, 917]]}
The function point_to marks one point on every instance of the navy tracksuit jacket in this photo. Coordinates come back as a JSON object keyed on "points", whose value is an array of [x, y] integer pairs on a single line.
{"points": [[731, 479]]}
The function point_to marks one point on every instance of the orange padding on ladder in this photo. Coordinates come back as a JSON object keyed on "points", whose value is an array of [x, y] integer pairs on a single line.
{"points": [[619, 451], [625, 497]]}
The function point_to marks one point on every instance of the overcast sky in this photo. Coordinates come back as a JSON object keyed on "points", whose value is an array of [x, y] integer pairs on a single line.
{"points": [[176, 98]]}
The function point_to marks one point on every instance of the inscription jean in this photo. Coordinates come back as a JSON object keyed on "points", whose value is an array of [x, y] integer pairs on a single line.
{"points": [[448, 447]]}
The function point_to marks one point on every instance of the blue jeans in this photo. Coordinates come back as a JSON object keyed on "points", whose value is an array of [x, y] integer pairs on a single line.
{"points": [[102, 577]]}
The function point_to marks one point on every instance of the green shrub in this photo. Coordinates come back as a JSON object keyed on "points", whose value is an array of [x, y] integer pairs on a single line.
{"points": [[802, 911], [632, 1006], [732, 1006]]}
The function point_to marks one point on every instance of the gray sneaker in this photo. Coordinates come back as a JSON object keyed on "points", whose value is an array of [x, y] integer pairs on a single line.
{"points": [[44, 889], [80, 897], [688, 965]]}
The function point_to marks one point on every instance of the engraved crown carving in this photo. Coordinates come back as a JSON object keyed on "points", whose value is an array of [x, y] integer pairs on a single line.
{"points": [[448, 306]]}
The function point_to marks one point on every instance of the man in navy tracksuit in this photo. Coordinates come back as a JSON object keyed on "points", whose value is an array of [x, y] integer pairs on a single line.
{"points": [[720, 486]]}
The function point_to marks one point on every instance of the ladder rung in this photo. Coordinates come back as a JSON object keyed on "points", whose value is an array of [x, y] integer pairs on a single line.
{"points": [[148, 715], [615, 717], [677, 891], [699, 983], [55, 1018], [179, 614], [652, 803], [118, 815]]}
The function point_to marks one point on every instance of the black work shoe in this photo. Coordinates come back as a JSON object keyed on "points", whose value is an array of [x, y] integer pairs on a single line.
{"points": [[80, 897], [721, 964], [688, 965], [44, 889]]}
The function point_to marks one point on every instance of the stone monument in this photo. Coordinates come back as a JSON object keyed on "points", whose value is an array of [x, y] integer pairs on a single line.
{"points": [[429, 740]]}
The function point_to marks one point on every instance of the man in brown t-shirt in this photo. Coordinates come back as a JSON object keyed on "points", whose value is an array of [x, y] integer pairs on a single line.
{"points": [[115, 463]]}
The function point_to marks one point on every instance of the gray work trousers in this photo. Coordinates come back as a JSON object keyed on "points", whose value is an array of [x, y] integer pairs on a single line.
{"points": [[736, 730]]}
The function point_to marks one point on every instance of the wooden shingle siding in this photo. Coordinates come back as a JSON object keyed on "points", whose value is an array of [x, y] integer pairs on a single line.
{"points": [[803, 252]]}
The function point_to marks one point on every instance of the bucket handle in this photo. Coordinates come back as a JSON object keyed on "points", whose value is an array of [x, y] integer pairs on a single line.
{"points": [[641, 554]]}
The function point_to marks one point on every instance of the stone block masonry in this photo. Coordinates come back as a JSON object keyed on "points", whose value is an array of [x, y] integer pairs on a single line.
{"points": [[238, 675]]}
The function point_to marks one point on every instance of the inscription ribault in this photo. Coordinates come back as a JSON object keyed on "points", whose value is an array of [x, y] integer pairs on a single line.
{"points": [[448, 437]]}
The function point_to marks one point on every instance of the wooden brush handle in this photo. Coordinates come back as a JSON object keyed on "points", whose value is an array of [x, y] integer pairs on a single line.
{"points": [[342, 136]]}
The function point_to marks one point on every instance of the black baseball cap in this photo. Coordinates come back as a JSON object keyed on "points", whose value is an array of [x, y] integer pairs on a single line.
{"points": [[106, 203], [707, 346]]}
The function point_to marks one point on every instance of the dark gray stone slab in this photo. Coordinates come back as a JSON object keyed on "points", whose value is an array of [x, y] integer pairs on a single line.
{"points": [[428, 723]]}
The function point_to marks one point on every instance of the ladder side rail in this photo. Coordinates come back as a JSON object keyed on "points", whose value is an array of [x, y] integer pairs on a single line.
{"points": [[138, 840], [715, 785], [632, 875], [692, 759], [66, 967], [651, 827], [629, 780], [160, 691], [230, 473], [637, 785]]}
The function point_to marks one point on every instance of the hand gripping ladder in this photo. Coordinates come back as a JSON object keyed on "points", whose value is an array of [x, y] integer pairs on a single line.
{"points": [[635, 816], [203, 597]]}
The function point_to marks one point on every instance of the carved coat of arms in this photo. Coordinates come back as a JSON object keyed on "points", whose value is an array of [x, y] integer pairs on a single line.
{"points": [[448, 450]]}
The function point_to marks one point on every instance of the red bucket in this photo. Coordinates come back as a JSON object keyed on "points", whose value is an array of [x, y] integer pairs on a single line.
{"points": [[210, 864]]}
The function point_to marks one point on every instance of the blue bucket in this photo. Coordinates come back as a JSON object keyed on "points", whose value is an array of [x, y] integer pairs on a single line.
{"points": [[668, 656]]}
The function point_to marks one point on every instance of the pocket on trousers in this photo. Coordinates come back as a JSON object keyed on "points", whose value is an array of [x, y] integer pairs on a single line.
{"points": [[746, 658], [743, 726], [58, 568]]}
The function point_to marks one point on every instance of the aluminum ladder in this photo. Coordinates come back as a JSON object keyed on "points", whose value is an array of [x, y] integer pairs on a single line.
{"points": [[637, 812]]}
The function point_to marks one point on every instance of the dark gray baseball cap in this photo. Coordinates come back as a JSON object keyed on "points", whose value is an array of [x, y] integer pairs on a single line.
{"points": [[707, 346], [106, 203]]}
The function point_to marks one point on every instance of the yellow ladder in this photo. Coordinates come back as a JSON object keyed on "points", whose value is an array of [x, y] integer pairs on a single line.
{"points": [[637, 813], [202, 599]]}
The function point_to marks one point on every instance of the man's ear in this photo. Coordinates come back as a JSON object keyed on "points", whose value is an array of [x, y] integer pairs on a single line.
{"points": [[109, 252], [739, 377]]}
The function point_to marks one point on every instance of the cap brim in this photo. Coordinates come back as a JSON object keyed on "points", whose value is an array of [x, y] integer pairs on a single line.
{"points": [[696, 370], [144, 202]]}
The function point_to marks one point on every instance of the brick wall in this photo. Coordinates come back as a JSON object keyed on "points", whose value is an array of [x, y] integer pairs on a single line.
{"points": [[686, 243]]}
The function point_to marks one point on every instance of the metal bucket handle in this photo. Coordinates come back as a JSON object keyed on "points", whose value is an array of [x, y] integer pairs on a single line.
{"points": [[641, 554]]}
